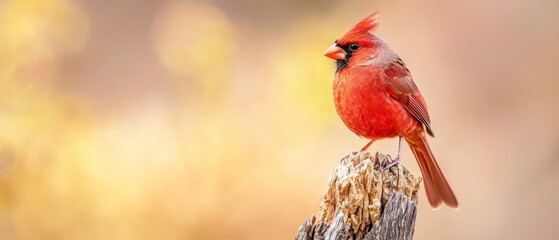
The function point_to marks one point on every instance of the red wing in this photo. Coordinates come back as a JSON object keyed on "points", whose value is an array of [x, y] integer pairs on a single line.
{"points": [[402, 88]]}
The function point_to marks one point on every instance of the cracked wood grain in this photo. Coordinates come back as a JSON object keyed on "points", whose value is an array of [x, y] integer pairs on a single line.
{"points": [[364, 202]]}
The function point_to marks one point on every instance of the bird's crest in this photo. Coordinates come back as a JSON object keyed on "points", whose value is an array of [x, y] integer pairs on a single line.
{"points": [[364, 27]]}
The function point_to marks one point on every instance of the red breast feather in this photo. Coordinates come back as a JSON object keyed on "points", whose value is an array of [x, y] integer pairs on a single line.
{"points": [[365, 106]]}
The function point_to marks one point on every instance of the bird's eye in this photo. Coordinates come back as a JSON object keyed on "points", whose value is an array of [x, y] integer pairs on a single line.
{"points": [[354, 47]]}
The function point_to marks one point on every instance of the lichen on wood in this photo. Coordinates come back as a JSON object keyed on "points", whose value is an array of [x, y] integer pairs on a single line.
{"points": [[363, 201]]}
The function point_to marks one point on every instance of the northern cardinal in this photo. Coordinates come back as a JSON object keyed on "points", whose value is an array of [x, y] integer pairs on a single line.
{"points": [[376, 98]]}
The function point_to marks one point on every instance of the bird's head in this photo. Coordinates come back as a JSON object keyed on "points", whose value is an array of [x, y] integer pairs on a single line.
{"points": [[355, 46]]}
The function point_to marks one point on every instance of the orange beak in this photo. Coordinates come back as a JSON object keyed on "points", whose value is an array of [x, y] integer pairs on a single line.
{"points": [[335, 52]]}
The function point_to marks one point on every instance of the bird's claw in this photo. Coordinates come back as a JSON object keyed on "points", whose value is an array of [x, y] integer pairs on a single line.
{"points": [[393, 162], [351, 155], [355, 153]]}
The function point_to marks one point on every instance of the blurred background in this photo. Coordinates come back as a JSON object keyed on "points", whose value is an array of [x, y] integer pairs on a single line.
{"points": [[214, 119]]}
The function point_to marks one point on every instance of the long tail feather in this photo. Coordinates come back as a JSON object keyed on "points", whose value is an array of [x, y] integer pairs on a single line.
{"points": [[437, 188]]}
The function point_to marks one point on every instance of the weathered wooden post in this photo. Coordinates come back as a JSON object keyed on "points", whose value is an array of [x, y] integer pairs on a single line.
{"points": [[365, 202]]}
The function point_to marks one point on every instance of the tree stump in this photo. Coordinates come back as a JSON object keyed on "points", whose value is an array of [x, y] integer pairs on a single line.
{"points": [[365, 202]]}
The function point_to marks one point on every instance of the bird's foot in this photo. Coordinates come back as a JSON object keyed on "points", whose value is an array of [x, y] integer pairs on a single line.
{"points": [[355, 153], [351, 155], [393, 162]]}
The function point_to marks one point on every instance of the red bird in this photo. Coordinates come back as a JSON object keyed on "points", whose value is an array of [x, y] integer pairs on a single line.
{"points": [[376, 98]]}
